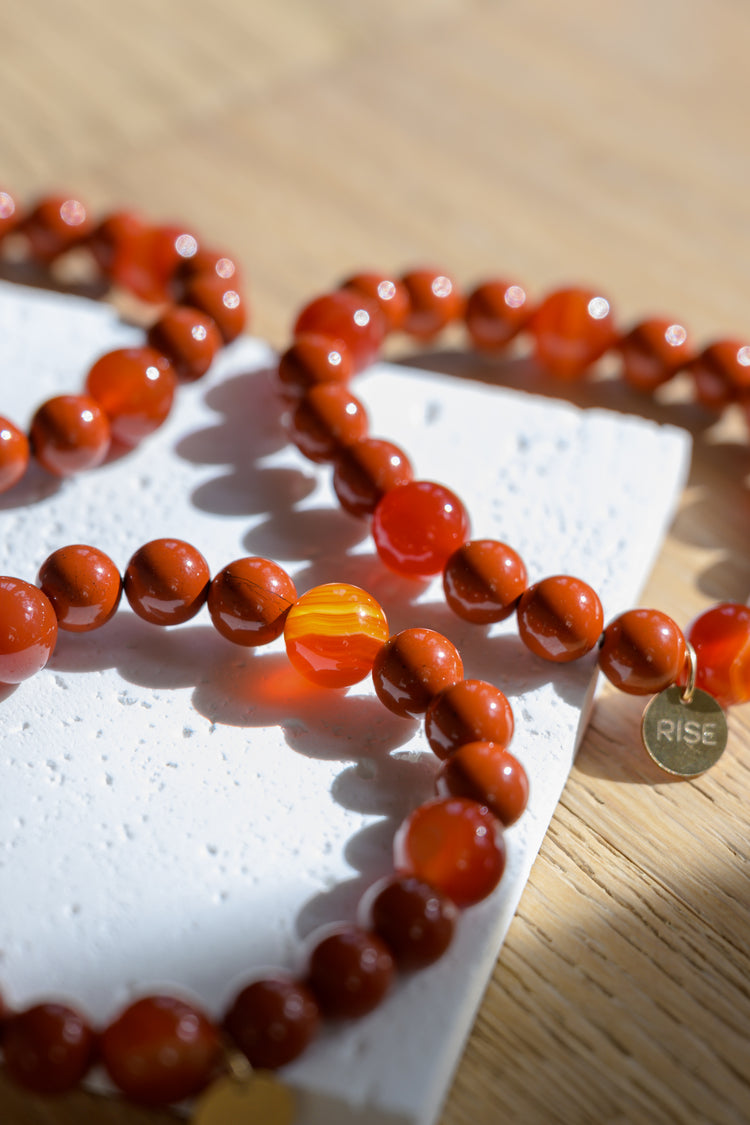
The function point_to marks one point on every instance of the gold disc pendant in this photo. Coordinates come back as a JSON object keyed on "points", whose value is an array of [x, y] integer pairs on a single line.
{"points": [[256, 1098], [685, 733]]}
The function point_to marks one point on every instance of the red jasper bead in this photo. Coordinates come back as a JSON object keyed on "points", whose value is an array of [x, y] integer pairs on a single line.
{"points": [[417, 527], [483, 581], [333, 634], [69, 434], [455, 845], [721, 373], [223, 302], [560, 618], [496, 312], [56, 224], [164, 250], [434, 302], [412, 667], [272, 1021], [489, 774], [83, 586], [160, 1050], [365, 470], [311, 360], [28, 630], [188, 338], [166, 581], [652, 352], [326, 420], [642, 652], [469, 711], [48, 1048], [249, 600], [572, 328], [117, 245], [350, 972], [14, 454], [391, 296], [207, 259], [10, 214], [349, 317], [135, 388], [414, 920], [721, 639]]}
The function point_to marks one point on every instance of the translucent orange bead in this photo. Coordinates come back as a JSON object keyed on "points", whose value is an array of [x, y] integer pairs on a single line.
{"points": [[333, 634], [14, 454], [572, 328], [417, 526], [496, 311], [28, 630], [560, 618], [69, 434], [135, 388], [721, 639], [434, 302], [349, 317]]}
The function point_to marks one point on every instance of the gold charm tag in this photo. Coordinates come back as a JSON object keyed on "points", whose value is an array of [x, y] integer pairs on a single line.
{"points": [[257, 1098], [684, 731]]}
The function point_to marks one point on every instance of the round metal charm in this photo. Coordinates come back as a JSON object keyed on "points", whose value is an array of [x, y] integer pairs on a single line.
{"points": [[251, 1100], [684, 734]]}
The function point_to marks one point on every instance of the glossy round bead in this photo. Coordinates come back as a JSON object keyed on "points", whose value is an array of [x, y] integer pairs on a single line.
{"points": [[14, 454], [249, 600], [272, 1021], [333, 634], [48, 1048], [160, 1050], [412, 667], [188, 338], [483, 581], [69, 434], [721, 373], [349, 317], [434, 302], [391, 296], [165, 248], [642, 652], [223, 302], [496, 312], [652, 352], [10, 214], [469, 711], [572, 328], [455, 845], [326, 420], [28, 630], [56, 224], [721, 639], [312, 360], [207, 259], [560, 618], [489, 774], [417, 527], [166, 581], [83, 586], [350, 972], [135, 388], [414, 920], [365, 470], [116, 245]]}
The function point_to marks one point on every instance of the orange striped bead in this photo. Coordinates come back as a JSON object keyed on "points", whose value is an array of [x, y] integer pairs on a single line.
{"points": [[333, 634]]}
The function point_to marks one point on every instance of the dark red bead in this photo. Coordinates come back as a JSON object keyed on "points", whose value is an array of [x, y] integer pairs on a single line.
{"points": [[312, 360], [116, 245], [483, 581], [166, 581], [496, 312], [434, 302], [365, 470], [417, 527], [414, 920], [412, 667], [721, 373], [56, 224], [69, 434], [469, 711], [28, 630], [83, 586], [391, 296], [48, 1048], [489, 774], [642, 652], [14, 454], [350, 972], [188, 338], [349, 317], [560, 618], [652, 352], [572, 328], [221, 299], [326, 420], [249, 601], [272, 1021]]}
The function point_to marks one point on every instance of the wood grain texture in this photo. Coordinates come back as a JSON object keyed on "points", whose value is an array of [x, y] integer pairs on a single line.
{"points": [[602, 143]]}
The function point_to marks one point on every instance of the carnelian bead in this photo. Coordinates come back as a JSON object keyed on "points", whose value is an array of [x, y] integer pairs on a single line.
{"points": [[10, 214], [166, 581], [417, 527], [160, 1050], [135, 389], [272, 1021], [326, 420], [249, 599], [434, 302], [469, 711], [14, 454], [412, 667], [414, 920], [312, 360], [560, 618], [721, 373], [642, 652], [721, 639], [220, 298], [652, 352], [69, 434], [365, 470], [454, 844], [48, 1048], [83, 585], [572, 328], [483, 581], [188, 338], [56, 224], [391, 297], [333, 634], [489, 774], [496, 312], [28, 630], [349, 317], [350, 972]]}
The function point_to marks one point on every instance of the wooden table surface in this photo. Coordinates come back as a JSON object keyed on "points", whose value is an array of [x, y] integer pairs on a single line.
{"points": [[549, 142]]}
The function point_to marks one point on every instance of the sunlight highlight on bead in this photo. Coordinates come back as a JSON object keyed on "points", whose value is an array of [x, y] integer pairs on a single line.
{"points": [[515, 297], [186, 245], [675, 335], [7, 205], [333, 634], [598, 308], [73, 213]]}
